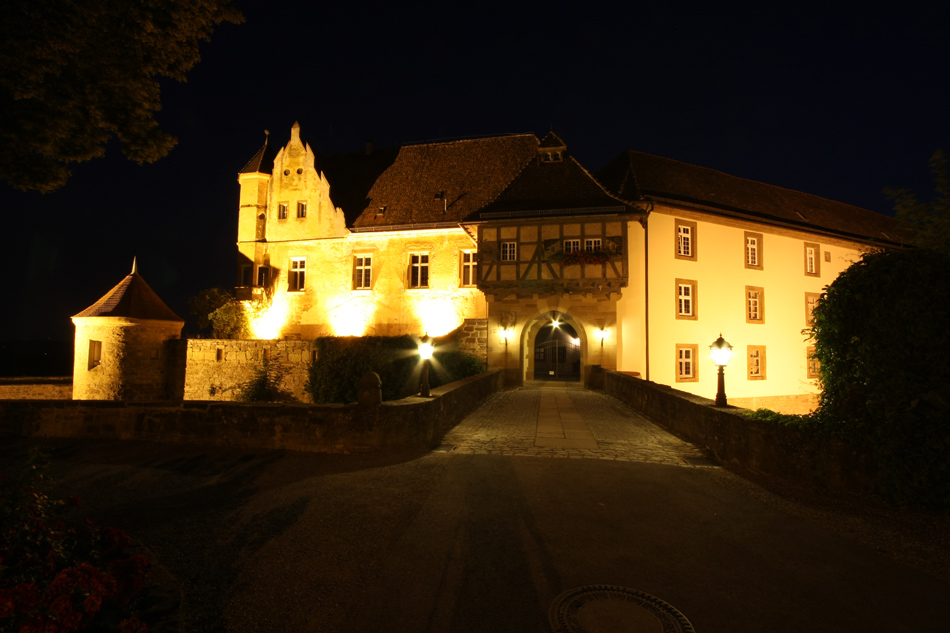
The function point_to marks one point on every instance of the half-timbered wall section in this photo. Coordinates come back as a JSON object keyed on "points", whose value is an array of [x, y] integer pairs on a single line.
{"points": [[555, 256]]}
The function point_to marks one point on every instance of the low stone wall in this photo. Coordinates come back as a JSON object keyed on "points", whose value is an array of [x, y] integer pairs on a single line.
{"points": [[743, 443], [410, 424], [799, 404], [217, 369], [39, 388]]}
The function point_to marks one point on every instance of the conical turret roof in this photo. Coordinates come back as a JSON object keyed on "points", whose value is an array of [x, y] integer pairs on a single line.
{"points": [[131, 298]]}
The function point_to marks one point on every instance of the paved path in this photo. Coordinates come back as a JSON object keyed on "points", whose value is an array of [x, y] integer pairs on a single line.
{"points": [[558, 419]]}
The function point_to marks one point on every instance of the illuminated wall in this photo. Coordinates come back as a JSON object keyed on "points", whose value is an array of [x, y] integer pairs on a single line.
{"points": [[719, 278]]}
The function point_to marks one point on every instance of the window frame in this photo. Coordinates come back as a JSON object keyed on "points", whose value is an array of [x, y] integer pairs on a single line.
{"points": [[283, 210], [362, 271], [94, 354], [571, 245], [297, 274], [677, 252], [810, 307], [470, 267], [760, 305], [759, 242], [754, 352], [301, 209], [508, 251], [693, 350], [816, 259], [693, 285], [592, 244], [812, 366], [265, 280], [419, 266]]}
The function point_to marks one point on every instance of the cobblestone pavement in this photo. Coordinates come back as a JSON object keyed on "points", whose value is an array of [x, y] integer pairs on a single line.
{"points": [[507, 424]]}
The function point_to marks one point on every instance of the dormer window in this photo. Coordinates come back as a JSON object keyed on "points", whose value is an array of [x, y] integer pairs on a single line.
{"points": [[380, 211], [554, 156]]}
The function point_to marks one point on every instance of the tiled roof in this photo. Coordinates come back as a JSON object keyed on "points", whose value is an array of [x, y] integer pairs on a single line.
{"points": [[552, 140], [558, 187], [633, 175], [263, 160], [131, 298], [427, 183]]}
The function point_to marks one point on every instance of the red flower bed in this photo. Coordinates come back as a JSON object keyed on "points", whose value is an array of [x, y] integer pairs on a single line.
{"points": [[591, 258], [55, 578]]}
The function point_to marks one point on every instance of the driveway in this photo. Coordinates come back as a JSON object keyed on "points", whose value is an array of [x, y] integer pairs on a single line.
{"points": [[542, 490]]}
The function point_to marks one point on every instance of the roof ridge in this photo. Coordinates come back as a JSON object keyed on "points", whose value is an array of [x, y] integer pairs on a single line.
{"points": [[758, 182], [461, 139], [599, 184]]}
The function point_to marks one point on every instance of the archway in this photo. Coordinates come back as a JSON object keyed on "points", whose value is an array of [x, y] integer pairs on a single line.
{"points": [[556, 352]]}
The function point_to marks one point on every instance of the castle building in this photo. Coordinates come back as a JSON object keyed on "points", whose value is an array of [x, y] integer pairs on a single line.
{"points": [[637, 267]]}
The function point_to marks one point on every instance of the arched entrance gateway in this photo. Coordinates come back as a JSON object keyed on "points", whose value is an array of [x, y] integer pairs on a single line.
{"points": [[554, 346]]}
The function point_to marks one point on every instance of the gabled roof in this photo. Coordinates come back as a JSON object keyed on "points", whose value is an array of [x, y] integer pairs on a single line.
{"points": [[430, 183], [634, 175], [131, 298], [554, 187]]}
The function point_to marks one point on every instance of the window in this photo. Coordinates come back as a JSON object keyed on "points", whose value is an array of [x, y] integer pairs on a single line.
{"points": [[418, 270], [571, 246], [467, 275], [686, 369], [247, 272], [364, 272], [263, 275], [509, 251], [753, 250], [298, 273], [755, 304], [282, 210], [95, 353], [219, 355], [301, 209], [813, 367], [811, 300], [812, 263], [687, 306], [685, 240], [755, 362], [592, 244]]}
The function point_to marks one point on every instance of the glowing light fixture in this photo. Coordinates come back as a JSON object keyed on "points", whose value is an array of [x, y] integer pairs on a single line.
{"points": [[576, 341], [425, 353], [721, 353]]}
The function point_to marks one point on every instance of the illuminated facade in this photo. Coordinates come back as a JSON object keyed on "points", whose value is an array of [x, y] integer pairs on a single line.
{"points": [[642, 266]]}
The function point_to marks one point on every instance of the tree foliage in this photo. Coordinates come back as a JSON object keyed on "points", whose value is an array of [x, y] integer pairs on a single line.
{"points": [[75, 73], [928, 222], [882, 340]]}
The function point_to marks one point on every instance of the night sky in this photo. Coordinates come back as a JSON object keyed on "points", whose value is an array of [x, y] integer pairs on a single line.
{"points": [[835, 104]]}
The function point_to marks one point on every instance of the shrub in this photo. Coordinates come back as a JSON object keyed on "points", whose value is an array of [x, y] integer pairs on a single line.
{"points": [[882, 340], [55, 577], [342, 361]]}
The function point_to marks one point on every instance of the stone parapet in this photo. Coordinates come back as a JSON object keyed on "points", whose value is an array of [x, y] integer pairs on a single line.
{"points": [[37, 388], [746, 444], [474, 338], [410, 424]]}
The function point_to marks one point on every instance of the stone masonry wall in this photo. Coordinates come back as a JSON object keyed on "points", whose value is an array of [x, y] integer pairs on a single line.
{"points": [[36, 388], [748, 445], [411, 424], [217, 369], [474, 338]]}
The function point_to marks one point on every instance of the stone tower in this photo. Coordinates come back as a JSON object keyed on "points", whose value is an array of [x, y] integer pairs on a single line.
{"points": [[121, 350]]}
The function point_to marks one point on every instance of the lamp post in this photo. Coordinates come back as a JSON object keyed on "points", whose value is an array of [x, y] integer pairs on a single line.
{"points": [[425, 353], [721, 352]]}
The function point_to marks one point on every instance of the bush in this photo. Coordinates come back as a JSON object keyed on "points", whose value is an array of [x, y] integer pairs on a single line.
{"points": [[55, 577], [342, 361], [882, 340]]}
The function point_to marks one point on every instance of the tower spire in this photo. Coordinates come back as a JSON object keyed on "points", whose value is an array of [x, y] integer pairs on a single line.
{"points": [[135, 267]]}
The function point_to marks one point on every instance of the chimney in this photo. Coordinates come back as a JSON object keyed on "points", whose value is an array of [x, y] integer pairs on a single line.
{"points": [[369, 147]]}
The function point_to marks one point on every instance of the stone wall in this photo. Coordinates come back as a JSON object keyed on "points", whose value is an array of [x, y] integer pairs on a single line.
{"points": [[410, 424], [743, 443], [474, 338], [217, 369], [42, 388]]}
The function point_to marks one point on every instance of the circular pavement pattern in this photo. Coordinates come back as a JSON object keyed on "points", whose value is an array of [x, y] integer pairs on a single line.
{"points": [[597, 608]]}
